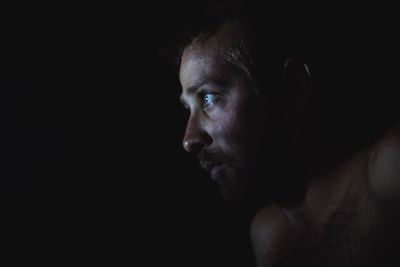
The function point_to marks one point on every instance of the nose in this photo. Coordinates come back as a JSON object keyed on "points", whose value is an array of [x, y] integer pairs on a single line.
{"points": [[196, 137]]}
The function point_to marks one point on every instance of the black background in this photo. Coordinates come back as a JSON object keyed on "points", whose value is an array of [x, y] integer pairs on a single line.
{"points": [[92, 164]]}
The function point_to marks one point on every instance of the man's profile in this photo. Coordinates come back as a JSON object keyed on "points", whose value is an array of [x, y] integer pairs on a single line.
{"points": [[257, 125]]}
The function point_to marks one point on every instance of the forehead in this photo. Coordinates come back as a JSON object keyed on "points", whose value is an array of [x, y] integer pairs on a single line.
{"points": [[204, 58], [198, 63]]}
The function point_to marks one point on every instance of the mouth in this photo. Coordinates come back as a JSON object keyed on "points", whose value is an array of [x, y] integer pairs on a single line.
{"points": [[211, 167], [216, 169]]}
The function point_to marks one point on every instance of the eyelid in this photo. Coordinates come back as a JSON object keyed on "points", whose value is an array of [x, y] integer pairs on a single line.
{"points": [[205, 92], [208, 91]]}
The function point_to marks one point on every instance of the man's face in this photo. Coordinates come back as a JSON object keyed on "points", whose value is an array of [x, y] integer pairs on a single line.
{"points": [[224, 126]]}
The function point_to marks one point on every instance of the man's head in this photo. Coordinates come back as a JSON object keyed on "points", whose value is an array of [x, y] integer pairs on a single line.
{"points": [[225, 116], [242, 125]]}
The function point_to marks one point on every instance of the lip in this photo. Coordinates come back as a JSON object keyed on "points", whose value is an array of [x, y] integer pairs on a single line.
{"points": [[216, 169]]}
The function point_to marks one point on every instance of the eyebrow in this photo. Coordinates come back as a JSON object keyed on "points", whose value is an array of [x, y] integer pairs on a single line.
{"points": [[191, 90]]}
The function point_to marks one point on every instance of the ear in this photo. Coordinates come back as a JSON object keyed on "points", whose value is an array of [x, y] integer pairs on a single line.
{"points": [[296, 76]]}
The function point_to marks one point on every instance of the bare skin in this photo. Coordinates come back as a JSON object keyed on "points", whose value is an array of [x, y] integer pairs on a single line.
{"points": [[222, 130], [358, 181], [222, 108]]}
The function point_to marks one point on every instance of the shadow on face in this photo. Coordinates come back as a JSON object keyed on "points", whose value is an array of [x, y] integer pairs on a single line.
{"points": [[236, 140]]}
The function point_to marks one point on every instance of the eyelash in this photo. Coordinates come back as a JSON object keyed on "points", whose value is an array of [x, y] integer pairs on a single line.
{"points": [[202, 98]]}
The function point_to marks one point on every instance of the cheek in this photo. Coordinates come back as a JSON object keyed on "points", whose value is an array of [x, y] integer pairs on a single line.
{"points": [[229, 127]]}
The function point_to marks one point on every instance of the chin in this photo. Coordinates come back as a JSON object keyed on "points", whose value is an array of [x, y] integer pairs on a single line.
{"points": [[229, 187], [233, 190]]}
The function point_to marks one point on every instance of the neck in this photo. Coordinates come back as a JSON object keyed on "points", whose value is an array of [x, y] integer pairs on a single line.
{"points": [[340, 204], [286, 227], [328, 191]]}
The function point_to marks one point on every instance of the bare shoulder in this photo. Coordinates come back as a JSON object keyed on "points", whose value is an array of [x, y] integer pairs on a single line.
{"points": [[272, 236], [384, 165]]}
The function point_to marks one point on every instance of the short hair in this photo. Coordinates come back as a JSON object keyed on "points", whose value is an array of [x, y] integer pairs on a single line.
{"points": [[254, 48], [345, 61]]}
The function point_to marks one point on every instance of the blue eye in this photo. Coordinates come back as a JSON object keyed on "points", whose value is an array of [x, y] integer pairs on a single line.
{"points": [[209, 99]]}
